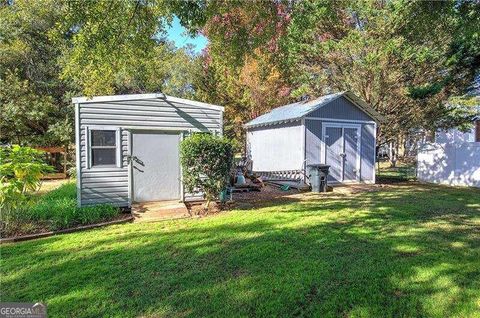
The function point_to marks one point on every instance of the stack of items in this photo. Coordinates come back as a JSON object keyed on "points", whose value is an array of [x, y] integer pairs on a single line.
{"points": [[244, 182]]}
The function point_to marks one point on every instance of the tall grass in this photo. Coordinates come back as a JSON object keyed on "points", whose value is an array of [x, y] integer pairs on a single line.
{"points": [[56, 210]]}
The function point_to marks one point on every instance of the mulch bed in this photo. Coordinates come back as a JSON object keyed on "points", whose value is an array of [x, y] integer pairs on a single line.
{"points": [[266, 193], [240, 200]]}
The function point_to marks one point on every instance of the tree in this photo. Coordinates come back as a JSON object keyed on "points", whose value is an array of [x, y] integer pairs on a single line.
{"points": [[240, 67], [403, 58], [53, 50], [32, 98]]}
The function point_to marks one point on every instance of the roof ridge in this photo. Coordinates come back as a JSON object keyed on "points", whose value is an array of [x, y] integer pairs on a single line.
{"points": [[295, 111]]}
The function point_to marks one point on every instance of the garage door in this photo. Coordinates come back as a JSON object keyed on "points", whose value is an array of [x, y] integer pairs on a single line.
{"points": [[156, 166]]}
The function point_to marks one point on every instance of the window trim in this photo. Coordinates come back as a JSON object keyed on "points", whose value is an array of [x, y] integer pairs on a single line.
{"points": [[118, 147]]}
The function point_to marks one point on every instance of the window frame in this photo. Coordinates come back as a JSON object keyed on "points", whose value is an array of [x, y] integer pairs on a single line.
{"points": [[117, 147]]}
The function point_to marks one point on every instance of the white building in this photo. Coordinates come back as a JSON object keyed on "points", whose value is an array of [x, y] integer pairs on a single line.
{"points": [[453, 159]]}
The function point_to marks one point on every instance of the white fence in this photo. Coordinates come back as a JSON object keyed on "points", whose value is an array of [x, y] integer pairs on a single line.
{"points": [[452, 163]]}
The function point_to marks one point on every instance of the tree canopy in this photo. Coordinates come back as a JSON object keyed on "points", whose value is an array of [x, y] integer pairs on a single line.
{"points": [[406, 58], [52, 50]]}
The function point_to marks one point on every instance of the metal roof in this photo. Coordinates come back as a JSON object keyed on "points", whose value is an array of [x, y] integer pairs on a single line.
{"points": [[296, 111], [128, 97]]}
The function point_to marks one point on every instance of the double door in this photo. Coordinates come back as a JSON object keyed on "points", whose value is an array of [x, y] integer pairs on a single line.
{"points": [[342, 151]]}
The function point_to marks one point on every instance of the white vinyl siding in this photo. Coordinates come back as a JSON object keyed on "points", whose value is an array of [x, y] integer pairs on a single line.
{"points": [[276, 148]]}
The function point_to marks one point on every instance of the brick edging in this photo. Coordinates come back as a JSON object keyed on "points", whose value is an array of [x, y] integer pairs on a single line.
{"points": [[69, 230]]}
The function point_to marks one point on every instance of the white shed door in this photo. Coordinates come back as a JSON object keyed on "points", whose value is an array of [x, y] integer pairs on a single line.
{"points": [[156, 166]]}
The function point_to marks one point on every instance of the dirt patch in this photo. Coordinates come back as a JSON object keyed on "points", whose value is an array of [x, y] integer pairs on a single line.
{"points": [[269, 193], [197, 208], [266, 193], [49, 185]]}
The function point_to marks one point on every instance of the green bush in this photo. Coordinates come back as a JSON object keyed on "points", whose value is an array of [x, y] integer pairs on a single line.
{"points": [[20, 171], [57, 210], [206, 162]]}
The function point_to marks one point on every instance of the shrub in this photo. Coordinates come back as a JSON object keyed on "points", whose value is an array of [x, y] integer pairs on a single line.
{"points": [[206, 162]]}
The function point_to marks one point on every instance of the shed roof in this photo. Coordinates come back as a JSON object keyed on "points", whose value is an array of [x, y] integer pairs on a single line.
{"points": [[298, 110], [126, 97]]}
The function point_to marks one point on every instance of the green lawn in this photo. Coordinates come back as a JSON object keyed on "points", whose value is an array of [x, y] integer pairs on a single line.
{"points": [[402, 172], [406, 251]]}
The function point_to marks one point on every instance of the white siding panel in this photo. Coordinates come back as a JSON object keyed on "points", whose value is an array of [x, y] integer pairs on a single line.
{"points": [[453, 164], [110, 189], [131, 118], [276, 148]]}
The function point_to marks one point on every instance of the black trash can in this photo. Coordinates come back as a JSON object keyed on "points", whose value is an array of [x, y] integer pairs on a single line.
{"points": [[318, 173]]}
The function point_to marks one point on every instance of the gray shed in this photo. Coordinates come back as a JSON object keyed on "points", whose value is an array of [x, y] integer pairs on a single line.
{"points": [[337, 129], [127, 146]]}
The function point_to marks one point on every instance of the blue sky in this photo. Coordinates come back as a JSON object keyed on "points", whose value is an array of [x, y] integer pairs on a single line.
{"points": [[177, 34]]}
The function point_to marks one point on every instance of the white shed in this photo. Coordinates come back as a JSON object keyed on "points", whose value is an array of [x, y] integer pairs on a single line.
{"points": [[127, 146], [337, 129], [453, 159]]}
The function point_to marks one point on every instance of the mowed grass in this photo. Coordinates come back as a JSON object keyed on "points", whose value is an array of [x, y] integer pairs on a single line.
{"points": [[402, 172], [408, 250]]}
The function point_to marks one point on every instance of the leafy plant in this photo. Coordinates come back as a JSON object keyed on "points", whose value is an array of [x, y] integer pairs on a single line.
{"points": [[55, 210], [21, 169], [206, 162], [59, 209]]}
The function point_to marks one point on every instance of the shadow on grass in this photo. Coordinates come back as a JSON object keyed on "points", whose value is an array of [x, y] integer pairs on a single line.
{"points": [[411, 250], [402, 173]]}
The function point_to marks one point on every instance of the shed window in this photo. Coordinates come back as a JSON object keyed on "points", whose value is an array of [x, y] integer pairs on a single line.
{"points": [[103, 147]]}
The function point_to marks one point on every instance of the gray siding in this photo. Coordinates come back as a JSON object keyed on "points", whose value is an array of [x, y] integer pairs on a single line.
{"points": [[111, 185], [314, 144], [367, 163], [149, 114], [313, 141], [104, 185], [340, 108]]}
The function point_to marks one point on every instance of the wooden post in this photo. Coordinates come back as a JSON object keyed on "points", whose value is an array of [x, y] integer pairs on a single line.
{"points": [[65, 160]]}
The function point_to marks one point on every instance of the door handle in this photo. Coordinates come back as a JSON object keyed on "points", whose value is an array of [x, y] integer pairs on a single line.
{"points": [[343, 155], [132, 158]]}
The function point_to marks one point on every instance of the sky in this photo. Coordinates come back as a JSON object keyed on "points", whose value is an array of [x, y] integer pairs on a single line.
{"points": [[177, 34]]}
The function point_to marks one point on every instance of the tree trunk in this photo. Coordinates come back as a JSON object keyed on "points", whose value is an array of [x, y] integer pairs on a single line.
{"points": [[207, 205], [401, 146], [392, 154]]}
